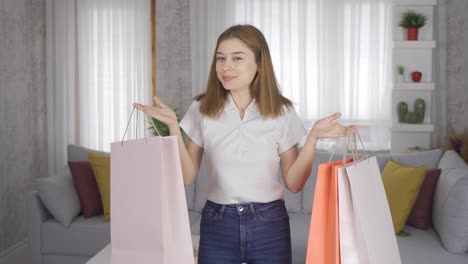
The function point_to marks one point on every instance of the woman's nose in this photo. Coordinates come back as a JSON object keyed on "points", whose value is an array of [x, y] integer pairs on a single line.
{"points": [[227, 65]]}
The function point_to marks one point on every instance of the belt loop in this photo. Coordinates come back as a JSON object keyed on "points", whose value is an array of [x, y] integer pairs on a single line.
{"points": [[252, 210], [221, 210]]}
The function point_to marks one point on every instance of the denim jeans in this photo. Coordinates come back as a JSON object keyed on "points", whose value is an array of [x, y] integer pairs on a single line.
{"points": [[253, 233]]}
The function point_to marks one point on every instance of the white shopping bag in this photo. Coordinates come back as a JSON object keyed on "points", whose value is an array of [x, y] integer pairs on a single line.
{"points": [[366, 230], [352, 246], [149, 217]]}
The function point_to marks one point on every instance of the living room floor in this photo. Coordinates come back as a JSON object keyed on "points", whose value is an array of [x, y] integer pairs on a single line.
{"points": [[19, 256]]}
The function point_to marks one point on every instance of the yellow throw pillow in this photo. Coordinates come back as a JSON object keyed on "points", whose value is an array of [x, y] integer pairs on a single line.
{"points": [[402, 184], [101, 168]]}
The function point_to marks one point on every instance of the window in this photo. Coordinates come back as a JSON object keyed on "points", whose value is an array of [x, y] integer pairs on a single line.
{"points": [[329, 56]]}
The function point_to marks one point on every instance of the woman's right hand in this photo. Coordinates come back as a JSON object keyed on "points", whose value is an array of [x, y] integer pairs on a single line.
{"points": [[160, 111]]}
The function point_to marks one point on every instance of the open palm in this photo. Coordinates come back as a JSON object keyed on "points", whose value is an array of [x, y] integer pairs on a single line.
{"points": [[326, 128], [161, 112]]}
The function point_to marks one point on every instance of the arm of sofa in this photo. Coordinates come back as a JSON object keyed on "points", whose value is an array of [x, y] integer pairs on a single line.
{"points": [[37, 214]]}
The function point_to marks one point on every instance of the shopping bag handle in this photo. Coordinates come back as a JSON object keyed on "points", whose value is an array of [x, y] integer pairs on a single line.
{"points": [[144, 124], [346, 140], [346, 146], [355, 150]]}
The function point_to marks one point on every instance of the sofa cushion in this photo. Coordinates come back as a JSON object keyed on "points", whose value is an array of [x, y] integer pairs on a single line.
{"points": [[451, 160], [195, 218], [101, 169], [79, 153], [429, 158], [300, 224], [402, 184], [450, 210], [84, 237], [86, 187], [201, 187], [190, 196], [59, 196], [308, 191], [421, 214], [424, 247]]}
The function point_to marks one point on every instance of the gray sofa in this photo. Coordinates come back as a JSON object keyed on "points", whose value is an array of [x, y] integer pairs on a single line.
{"points": [[51, 242]]}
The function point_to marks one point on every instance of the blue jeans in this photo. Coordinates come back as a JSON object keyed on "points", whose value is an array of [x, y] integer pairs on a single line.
{"points": [[254, 233]]}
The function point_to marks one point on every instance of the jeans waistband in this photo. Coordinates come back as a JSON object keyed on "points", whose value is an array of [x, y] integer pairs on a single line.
{"points": [[253, 206]]}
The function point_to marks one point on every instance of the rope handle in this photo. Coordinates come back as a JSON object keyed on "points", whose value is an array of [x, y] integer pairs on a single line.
{"points": [[350, 137], [136, 127]]}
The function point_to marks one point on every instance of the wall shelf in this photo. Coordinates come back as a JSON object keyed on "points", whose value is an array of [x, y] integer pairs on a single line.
{"points": [[408, 86], [413, 56], [415, 2], [403, 127], [415, 44]]}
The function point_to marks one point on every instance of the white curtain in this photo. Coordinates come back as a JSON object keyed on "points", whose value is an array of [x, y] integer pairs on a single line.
{"points": [[329, 55], [98, 64]]}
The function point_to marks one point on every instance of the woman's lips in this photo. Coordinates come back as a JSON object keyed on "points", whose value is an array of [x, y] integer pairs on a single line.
{"points": [[228, 78]]}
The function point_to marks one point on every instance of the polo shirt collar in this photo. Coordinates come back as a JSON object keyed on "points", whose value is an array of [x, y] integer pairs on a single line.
{"points": [[231, 105]]}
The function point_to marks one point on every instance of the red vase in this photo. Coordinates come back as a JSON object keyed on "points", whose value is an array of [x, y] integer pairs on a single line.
{"points": [[416, 76], [412, 33]]}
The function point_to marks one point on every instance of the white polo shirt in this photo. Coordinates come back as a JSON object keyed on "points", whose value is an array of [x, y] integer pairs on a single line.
{"points": [[242, 156]]}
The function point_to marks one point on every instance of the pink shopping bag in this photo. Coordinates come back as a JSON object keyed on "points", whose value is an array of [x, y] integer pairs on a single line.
{"points": [[149, 217], [366, 230]]}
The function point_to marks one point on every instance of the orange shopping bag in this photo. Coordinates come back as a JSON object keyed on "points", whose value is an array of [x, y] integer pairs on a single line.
{"points": [[324, 240]]}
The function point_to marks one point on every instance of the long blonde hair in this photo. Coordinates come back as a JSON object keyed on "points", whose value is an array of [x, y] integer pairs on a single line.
{"points": [[263, 88]]}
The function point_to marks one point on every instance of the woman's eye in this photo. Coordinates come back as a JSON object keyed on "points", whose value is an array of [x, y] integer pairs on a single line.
{"points": [[237, 58], [220, 58]]}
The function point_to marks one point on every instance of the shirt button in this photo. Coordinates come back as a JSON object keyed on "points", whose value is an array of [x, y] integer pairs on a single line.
{"points": [[241, 208]]}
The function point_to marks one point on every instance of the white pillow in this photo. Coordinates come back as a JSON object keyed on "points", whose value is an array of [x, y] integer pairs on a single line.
{"points": [[59, 196], [450, 209]]}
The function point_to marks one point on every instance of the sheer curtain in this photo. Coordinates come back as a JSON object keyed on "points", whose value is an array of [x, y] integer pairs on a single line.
{"points": [[329, 55], [98, 63]]}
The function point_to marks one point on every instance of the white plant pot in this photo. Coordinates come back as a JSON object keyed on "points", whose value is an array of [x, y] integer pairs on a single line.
{"points": [[400, 78]]}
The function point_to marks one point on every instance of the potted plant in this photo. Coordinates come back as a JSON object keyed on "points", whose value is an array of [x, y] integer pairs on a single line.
{"points": [[163, 128], [411, 21], [401, 73]]}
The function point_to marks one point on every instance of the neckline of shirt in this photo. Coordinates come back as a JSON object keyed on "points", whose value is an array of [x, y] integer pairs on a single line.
{"points": [[230, 105]]}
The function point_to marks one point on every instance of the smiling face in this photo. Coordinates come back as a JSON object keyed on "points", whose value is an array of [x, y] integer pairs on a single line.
{"points": [[235, 65]]}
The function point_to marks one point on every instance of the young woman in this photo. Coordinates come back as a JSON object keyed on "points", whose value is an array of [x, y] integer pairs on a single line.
{"points": [[247, 130]]}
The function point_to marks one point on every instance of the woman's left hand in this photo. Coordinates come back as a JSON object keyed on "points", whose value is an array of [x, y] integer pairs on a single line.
{"points": [[326, 128]]}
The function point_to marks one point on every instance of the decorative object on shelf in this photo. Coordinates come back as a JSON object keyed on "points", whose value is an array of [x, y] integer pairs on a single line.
{"points": [[411, 118], [415, 117], [458, 143], [411, 21], [420, 109], [401, 72], [416, 76], [402, 109]]}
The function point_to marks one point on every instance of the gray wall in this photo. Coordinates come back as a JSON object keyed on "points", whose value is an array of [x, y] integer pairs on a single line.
{"points": [[173, 67], [23, 150], [457, 65]]}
